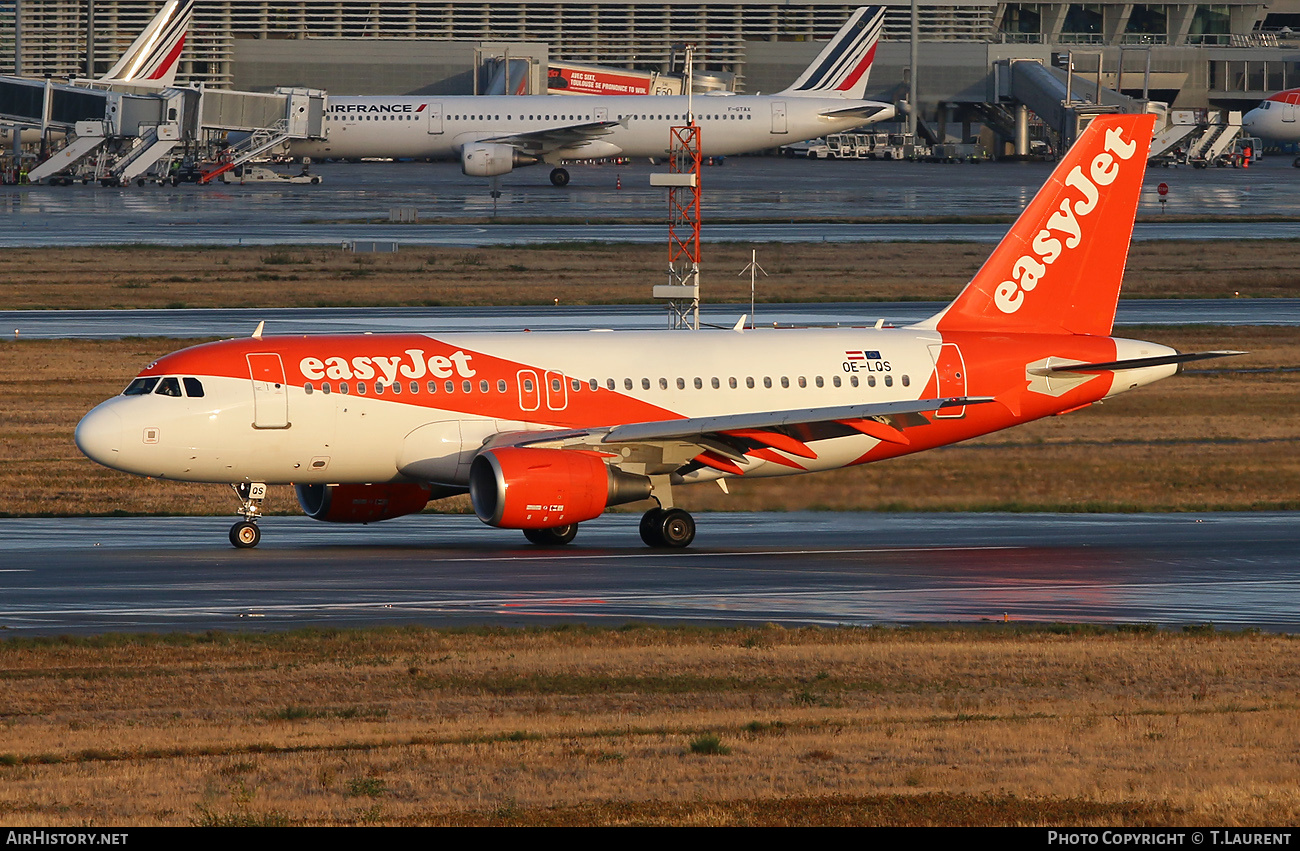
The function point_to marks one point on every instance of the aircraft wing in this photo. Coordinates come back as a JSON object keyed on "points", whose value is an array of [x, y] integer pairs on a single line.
{"points": [[704, 426], [539, 142], [723, 441]]}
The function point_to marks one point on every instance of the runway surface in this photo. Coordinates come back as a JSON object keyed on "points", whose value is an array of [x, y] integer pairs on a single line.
{"points": [[179, 574], [188, 323], [120, 232], [750, 199]]}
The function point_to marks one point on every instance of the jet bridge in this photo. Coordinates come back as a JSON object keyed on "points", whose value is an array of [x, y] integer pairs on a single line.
{"points": [[117, 134], [130, 134], [44, 104], [269, 120], [1065, 101]]}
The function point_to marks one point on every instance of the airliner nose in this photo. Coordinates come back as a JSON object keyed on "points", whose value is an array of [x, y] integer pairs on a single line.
{"points": [[1248, 120], [99, 435]]}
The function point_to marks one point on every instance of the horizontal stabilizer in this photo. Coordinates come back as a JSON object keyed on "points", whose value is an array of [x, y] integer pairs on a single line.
{"points": [[873, 110], [1134, 363]]}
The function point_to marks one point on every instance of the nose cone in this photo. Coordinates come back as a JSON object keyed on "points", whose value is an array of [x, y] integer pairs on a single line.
{"points": [[1249, 119], [99, 435]]}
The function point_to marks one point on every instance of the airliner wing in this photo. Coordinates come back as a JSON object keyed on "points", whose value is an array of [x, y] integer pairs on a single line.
{"points": [[703, 426], [731, 435], [539, 142]]}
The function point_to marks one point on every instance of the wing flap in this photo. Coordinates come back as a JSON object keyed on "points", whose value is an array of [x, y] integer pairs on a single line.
{"points": [[693, 427]]}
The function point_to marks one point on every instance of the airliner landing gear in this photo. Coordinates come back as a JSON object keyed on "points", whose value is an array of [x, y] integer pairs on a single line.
{"points": [[245, 533], [672, 528], [559, 177], [556, 536]]}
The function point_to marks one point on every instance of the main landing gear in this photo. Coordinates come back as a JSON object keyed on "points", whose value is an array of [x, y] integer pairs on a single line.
{"points": [[559, 177], [557, 536], [245, 534], [672, 528], [662, 528]]}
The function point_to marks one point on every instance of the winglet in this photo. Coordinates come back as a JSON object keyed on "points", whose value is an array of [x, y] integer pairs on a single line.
{"points": [[257, 335]]}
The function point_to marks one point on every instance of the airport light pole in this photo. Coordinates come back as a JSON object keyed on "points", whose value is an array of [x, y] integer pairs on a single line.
{"points": [[912, 106], [683, 181]]}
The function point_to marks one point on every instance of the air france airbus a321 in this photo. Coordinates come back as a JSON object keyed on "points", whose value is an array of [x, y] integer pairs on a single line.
{"points": [[547, 430], [494, 135]]}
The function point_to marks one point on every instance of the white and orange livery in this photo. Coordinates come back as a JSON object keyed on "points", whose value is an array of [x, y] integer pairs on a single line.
{"points": [[546, 430]]}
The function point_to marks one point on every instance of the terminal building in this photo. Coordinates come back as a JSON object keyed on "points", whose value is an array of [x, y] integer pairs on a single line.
{"points": [[1227, 55]]}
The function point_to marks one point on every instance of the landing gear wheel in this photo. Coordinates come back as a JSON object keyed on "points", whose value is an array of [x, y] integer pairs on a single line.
{"points": [[677, 528], [245, 535], [559, 177], [650, 531], [556, 536]]}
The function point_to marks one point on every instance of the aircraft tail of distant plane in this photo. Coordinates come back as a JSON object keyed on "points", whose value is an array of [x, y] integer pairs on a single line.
{"points": [[844, 65], [1058, 270], [153, 58]]}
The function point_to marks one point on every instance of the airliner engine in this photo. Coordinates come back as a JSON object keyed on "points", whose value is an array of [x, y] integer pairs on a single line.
{"points": [[484, 159], [522, 488]]}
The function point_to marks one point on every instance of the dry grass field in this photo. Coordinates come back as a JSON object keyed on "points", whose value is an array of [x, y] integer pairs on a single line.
{"points": [[646, 725], [1207, 440], [149, 277]]}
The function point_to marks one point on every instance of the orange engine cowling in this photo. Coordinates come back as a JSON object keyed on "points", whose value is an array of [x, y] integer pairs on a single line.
{"points": [[362, 503], [523, 488]]}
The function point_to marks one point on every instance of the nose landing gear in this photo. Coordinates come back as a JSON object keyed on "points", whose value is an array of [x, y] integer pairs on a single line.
{"points": [[245, 534]]}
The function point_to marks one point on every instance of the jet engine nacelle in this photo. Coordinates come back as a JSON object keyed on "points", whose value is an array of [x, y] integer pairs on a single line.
{"points": [[523, 488], [488, 160], [362, 503]]}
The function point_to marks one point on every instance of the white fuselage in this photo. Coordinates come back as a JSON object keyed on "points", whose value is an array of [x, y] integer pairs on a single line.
{"points": [[1276, 118], [439, 128], [458, 391]]}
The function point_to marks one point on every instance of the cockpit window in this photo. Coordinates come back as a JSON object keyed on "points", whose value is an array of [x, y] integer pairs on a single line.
{"points": [[169, 387], [141, 386], [193, 387]]}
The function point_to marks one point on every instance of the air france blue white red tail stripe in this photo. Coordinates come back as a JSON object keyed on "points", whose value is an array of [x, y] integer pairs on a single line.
{"points": [[844, 65], [154, 57]]}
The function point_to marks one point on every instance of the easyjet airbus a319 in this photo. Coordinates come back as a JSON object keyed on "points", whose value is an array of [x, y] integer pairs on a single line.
{"points": [[546, 430]]}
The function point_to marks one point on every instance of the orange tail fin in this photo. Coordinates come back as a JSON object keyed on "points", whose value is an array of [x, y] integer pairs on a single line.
{"points": [[1058, 270]]}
